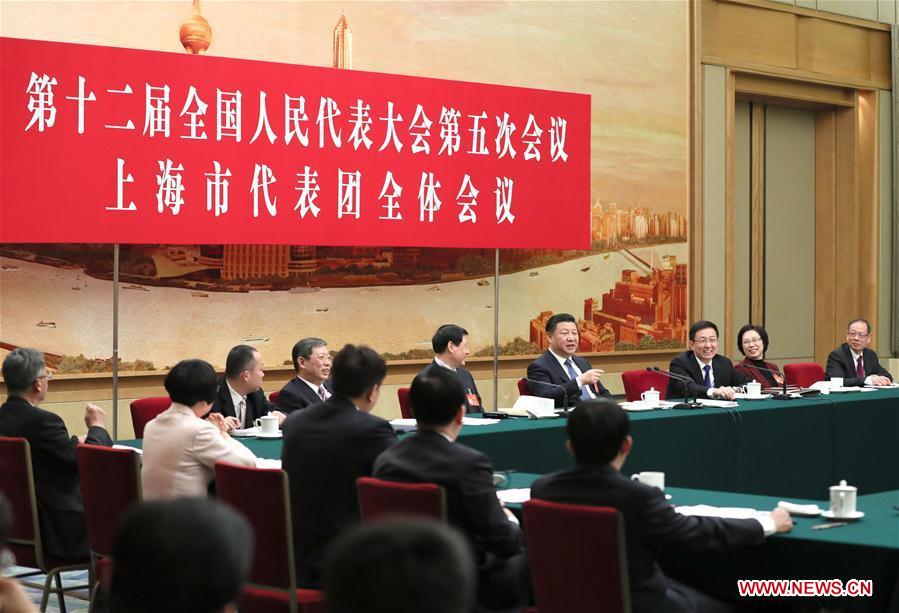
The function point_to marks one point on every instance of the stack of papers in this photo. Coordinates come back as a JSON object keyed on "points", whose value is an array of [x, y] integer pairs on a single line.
{"points": [[515, 495], [267, 463], [705, 510], [239, 432], [134, 449], [466, 421], [721, 404]]}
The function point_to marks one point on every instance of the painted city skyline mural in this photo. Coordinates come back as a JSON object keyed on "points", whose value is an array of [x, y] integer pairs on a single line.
{"points": [[629, 290]]}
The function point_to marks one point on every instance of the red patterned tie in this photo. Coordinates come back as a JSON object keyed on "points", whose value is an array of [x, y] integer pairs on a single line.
{"points": [[860, 370]]}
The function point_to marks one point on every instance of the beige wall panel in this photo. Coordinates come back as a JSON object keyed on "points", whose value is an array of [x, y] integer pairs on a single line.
{"points": [[790, 232], [846, 305], [744, 32], [713, 265], [863, 9], [807, 4], [835, 48], [886, 11], [887, 248], [868, 212], [742, 216]]}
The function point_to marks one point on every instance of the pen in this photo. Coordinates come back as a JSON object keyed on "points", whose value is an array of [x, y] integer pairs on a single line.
{"points": [[836, 524]]}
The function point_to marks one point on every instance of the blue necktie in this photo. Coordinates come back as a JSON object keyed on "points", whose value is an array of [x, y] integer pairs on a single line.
{"points": [[569, 366], [708, 379]]}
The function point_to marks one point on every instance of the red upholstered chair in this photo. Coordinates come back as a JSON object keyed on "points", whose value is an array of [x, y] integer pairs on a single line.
{"points": [[24, 538], [273, 397], [804, 374], [261, 495], [638, 381], [379, 499], [405, 405], [523, 389], [143, 410], [110, 485], [574, 545]]}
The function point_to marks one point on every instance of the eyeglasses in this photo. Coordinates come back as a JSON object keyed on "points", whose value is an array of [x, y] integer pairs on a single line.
{"points": [[751, 341], [46, 375], [853, 334], [706, 341]]}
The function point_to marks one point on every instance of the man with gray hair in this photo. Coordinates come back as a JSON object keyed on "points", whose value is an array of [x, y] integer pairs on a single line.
{"points": [[53, 459], [312, 361]]}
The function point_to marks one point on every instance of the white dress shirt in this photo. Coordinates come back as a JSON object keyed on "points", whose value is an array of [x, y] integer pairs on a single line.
{"points": [[315, 388], [702, 366], [180, 451], [578, 372], [237, 400]]}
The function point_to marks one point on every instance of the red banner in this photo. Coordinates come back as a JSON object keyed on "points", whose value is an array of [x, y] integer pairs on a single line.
{"points": [[111, 145]]}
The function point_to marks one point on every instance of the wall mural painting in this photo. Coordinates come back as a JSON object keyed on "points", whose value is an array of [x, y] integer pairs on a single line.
{"points": [[629, 290]]}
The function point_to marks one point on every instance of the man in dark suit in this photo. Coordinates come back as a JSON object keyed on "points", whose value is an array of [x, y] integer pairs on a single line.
{"points": [[53, 458], [853, 361], [431, 455], [559, 368], [599, 438], [327, 446], [312, 362], [450, 344], [712, 375], [239, 396]]}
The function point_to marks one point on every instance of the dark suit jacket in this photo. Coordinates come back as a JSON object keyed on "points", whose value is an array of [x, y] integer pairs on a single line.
{"points": [[841, 364], [55, 465], [467, 477], [467, 381], [649, 522], [327, 446], [547, 368], [296, 394], [685, 364], [257, 405], [748, 368]]}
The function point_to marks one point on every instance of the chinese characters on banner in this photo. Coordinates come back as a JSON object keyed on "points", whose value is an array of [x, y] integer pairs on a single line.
{"points": [[123, 146]]}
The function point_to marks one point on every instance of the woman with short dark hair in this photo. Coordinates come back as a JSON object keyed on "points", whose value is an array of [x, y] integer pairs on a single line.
{"points": [[752, 341]]}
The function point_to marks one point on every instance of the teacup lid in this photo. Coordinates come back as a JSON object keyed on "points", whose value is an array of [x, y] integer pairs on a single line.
{"points": [[842, 486]]}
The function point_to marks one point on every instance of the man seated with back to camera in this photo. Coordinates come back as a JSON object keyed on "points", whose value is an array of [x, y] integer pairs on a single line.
{"points": [[432, 455], [558, 373], [450, 344], [600, 441], [712, 375]]}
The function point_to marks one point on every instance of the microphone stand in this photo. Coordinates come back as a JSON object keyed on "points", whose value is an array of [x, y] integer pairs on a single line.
{"points": [[783, 395], [565, 411], [688, 403]]}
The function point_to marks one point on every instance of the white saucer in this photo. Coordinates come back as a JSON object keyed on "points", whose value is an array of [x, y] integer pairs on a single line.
{"points": [[829, 515], [261, 435]]}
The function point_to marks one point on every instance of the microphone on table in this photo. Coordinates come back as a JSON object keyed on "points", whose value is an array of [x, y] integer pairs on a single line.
{"points": [[688, 403], [783, 395], [561, 387]]}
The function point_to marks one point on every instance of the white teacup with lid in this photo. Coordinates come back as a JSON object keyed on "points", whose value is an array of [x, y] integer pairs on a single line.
{"points": [[842, 499]]}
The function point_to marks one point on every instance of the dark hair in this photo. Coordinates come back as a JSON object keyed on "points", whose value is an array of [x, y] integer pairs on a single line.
{"points": [[752, 327], [445, 334], [597, 429], [405, 565], [860, 320], [191, 381], [355, 370], [558, 318], [239, 359], [5, 519], [702, 325], [190, 555], [303, 349], [21, 368], [436, 397]]}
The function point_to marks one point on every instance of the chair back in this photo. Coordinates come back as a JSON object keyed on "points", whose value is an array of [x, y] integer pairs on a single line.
{"points": [[379, 499], [110, 485], [405, 404], [273, 397], [261, 495], [638, 381], [804, 374], [523, 389], [17, 484], [575, 545], [143, 410]]}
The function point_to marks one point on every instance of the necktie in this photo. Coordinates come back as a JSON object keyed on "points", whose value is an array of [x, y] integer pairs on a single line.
{"points": [[241, 411], [708, 376], [860, 369], [321, 392], [569, 366]]}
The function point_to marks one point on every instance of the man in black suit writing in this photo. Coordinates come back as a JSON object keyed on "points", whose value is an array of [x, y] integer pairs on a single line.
{"points": [[327, 446], [53, 458], [450, 344], [312, 361], [432, 455], [239, 396], [559, 366], [712, 375], [599, 438], [853, 361]]}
